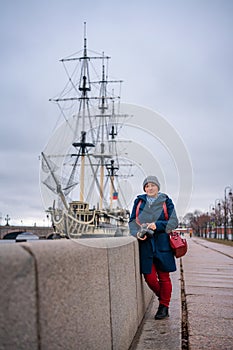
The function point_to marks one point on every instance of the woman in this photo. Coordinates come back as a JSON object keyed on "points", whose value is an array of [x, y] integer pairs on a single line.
{"points": [[156, 257]]}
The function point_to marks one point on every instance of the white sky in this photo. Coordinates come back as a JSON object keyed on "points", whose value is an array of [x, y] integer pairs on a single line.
{"points": [[174, 56]]}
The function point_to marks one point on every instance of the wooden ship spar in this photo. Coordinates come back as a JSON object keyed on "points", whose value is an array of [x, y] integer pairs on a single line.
{"points": [[82, 166]]}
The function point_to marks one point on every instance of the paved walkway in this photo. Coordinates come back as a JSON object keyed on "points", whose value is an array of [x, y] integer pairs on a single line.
{"points": [[208, 282]]}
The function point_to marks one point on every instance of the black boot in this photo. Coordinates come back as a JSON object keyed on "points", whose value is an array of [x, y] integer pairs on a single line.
{"points": [[162, 312]]}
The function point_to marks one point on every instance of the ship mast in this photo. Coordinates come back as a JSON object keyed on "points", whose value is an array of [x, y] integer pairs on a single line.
{"points": [[84, 87], [103, 107], [84, 120], [112, 173], [83, 113]]}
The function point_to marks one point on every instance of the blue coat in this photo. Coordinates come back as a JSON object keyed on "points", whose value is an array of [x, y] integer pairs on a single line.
{"points": [[157, 248]]}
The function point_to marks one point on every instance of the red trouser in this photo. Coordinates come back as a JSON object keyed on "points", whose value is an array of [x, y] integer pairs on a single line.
{"points": [[160, 283]]}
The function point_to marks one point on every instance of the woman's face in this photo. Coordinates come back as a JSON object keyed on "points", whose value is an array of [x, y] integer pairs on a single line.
{"points": [[151, 189]]}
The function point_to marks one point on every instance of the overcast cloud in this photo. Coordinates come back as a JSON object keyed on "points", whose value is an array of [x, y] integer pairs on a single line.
{"points": [[174, 56]]}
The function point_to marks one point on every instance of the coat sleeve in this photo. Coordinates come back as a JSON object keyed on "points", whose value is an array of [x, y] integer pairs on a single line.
{"points": [[172, 223], [133, 226]]}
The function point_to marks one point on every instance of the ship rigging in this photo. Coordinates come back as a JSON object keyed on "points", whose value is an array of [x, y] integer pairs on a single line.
{"points": [[84, 166]]}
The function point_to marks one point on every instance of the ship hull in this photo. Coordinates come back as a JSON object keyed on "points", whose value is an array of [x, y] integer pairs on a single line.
{"points": [[81, 222]]}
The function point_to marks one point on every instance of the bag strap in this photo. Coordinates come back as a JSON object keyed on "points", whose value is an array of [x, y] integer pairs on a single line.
{"points": [[137, 213], [165, 211]]}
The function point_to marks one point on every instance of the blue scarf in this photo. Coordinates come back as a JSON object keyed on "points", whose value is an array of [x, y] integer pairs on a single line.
{"points": [[150, 200]]}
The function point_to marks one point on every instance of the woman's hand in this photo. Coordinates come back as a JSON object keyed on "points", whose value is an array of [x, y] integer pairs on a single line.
{"points": [[152, 226], [140, 238]]}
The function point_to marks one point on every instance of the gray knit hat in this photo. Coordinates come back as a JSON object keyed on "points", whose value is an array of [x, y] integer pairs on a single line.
{"points": [[152, 179]]}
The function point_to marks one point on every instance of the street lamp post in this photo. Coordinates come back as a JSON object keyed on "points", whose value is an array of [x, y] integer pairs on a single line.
{"points": [[226, 209], [231, 213], [7, 219], [217, 215], [211, 208]]}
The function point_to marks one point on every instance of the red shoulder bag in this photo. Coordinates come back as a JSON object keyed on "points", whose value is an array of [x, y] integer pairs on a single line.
{"points": [[178, 244]]}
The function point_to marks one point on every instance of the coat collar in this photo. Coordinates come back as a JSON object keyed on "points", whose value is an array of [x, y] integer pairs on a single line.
{"points": [[160, 199]]}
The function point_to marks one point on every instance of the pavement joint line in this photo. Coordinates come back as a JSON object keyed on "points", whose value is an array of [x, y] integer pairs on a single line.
{"points": [[184, 312]]}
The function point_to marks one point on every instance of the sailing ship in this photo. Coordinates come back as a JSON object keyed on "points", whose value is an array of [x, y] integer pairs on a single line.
{"points": [[83, 167]]}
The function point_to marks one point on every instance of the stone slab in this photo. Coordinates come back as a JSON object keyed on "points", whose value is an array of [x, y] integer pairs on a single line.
{"points": [[123, 295], [73, 295], [144, 293]]}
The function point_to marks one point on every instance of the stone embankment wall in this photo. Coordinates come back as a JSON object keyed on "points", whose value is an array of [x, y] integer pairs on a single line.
{"points": [[66, 294]]}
